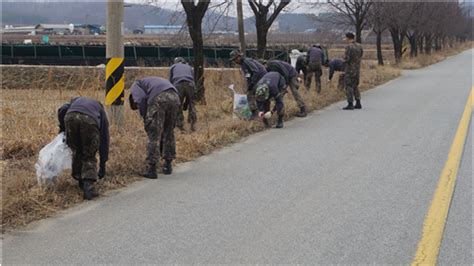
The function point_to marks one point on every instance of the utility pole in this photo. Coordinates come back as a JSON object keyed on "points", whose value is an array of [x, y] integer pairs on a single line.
{"points": [[114, 70], [240, 18]]}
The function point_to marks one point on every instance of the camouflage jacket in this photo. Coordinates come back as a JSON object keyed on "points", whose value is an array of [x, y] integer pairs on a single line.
{"points": [[352, 58]]}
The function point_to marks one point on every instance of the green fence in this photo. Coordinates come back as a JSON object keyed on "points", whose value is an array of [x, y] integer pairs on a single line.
{"points": [[134, 55]]}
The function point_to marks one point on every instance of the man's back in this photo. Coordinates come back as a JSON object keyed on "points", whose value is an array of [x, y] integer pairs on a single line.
{"points": [[181, 72], [315, 56], [282, 67]]}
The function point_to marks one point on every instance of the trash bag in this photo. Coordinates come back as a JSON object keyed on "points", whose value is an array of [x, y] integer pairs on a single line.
{"points": [[53, 159], [241, 105]]}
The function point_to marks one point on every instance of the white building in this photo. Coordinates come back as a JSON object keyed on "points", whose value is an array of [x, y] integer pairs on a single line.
{"points": [[162, 29]]}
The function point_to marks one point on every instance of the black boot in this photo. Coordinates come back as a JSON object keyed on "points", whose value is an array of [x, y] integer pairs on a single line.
{"points": [[89, 190], [302, 112], [168, 167], [280, 122], [150, 172], [357, 105], [350, 106], [81, 184]]}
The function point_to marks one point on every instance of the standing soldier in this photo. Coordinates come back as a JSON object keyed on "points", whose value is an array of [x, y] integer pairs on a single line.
{"points": [[288, 72], [271, 86], [315, 61], [253, 71], [87, 131], [352, 59], [301, 65], [182, 77], [337, 64], [325, 54], [158, 103]]}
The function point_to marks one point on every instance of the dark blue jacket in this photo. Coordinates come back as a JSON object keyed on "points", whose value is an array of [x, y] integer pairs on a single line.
{"points": [[335, 64], [276, 84], [145, 90], [253, 71], [95, 110], [285, 69], [315, 56], [181, 72]]}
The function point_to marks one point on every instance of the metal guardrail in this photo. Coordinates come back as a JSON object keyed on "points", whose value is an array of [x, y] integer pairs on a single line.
{"points": [[134, 55]]}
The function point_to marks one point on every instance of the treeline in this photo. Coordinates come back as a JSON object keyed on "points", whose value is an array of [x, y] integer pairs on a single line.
{"points": [[423, 25]]}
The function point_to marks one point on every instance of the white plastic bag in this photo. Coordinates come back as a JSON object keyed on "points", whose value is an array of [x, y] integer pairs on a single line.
{"points": [[241, 105], [53, 159]]}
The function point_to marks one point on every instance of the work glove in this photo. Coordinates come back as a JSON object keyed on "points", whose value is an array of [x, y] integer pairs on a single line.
{"points": [[101, 172], [266, 115]]}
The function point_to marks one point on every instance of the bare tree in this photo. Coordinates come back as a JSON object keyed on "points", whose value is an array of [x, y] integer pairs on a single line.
{"points": [[377, 21], [421, 16], [263, 21], [398, 16], [194, 14], [353, 13]]}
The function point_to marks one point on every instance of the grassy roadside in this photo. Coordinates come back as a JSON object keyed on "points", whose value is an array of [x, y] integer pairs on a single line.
{"points": [[29, 122], [423, 60]]}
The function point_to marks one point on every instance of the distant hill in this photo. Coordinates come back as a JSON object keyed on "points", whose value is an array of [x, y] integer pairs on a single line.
{"points": [[289, 22], [136, 16]]}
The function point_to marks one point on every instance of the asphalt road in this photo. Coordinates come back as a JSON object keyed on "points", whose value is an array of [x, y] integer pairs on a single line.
{"points": [[348, 187]]}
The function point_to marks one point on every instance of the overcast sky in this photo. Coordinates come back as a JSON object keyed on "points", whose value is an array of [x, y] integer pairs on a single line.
{"points": [[296, 6]]}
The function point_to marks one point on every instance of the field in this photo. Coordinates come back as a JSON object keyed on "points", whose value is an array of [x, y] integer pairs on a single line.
{"points": [[29, 122]]}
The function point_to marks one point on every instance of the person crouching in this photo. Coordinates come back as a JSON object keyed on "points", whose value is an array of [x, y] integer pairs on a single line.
{"points": [[87, 131], [271, 86], [158, 103]]}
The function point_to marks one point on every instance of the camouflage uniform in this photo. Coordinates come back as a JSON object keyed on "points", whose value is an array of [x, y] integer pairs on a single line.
{"points": [[253, 71], [290, 75], [352, 59], [318, 72], [340, 82], [181, 75], [301, 65], [186, 96], [83, 137], [160, 121], [315, 59], [277, 90]]}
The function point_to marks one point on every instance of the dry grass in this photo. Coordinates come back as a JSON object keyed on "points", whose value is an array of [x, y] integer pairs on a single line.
{"points": [[29, 122], [423, 60]]}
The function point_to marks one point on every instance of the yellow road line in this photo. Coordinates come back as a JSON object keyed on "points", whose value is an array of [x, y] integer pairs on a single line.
{"points": [[433, 227]]}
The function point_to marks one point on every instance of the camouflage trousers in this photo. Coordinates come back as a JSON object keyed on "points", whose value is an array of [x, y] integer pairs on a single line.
{"points": [[294, 86], [351, 82], [317, 72], [186, 97], [305, 73], [82, 136], [340, 82], [160, 121]]}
